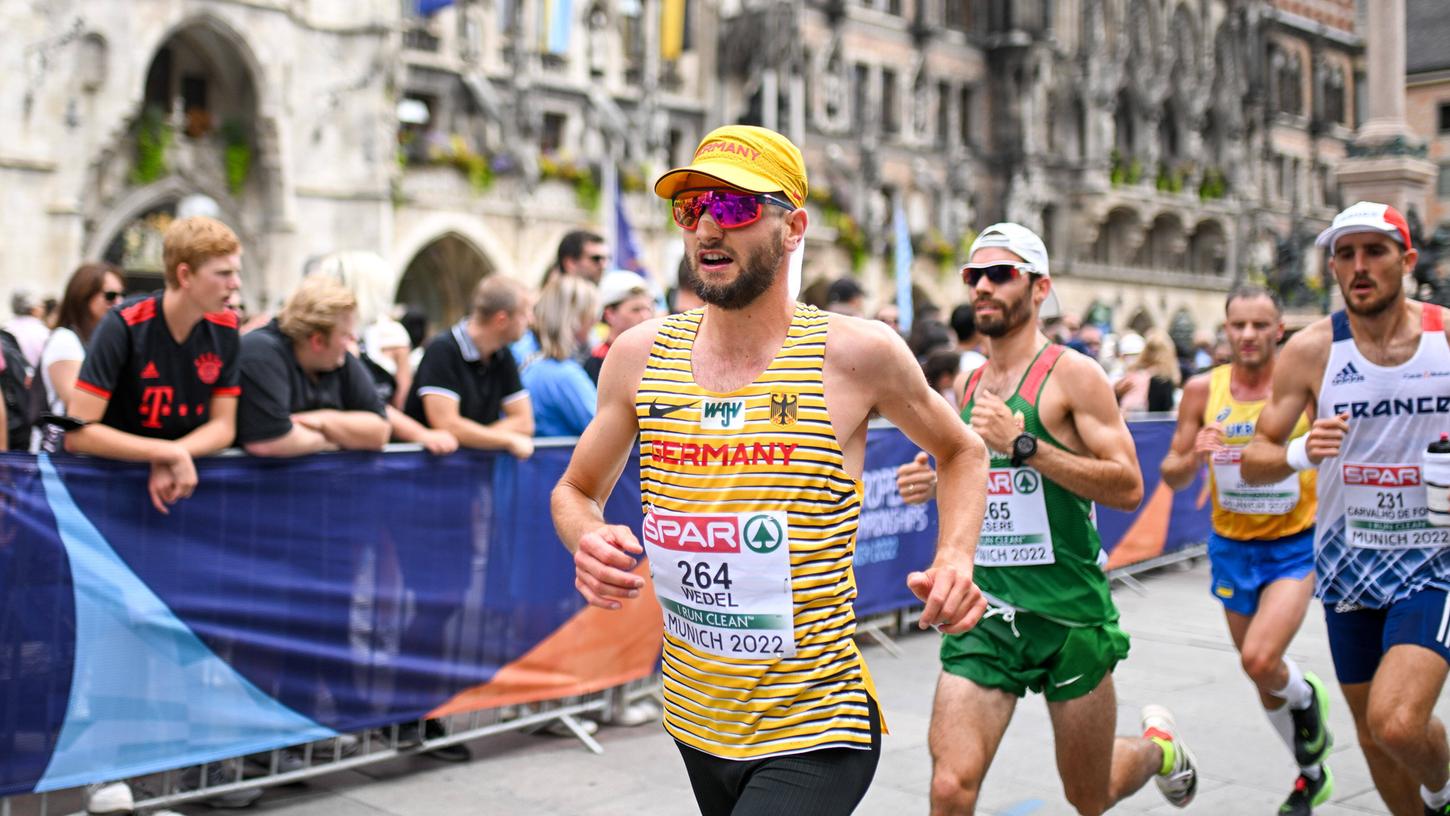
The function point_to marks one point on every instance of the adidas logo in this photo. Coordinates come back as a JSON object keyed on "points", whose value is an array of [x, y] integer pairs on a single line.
{"points": [[1348, 374], [149, 372]]}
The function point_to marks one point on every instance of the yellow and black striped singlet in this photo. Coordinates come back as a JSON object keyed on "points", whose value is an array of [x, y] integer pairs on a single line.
{"points": [[781, 456]]}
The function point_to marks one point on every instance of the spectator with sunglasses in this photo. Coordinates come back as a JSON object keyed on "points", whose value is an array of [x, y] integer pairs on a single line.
{"points": [[581, 253], [740, 442], [93, 289]]}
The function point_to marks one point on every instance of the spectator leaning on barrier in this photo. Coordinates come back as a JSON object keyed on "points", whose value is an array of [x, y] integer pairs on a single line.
{"points": [[160, 380], [160, 384], [468, 383], [91, 292], [561, 393], [302, 392], [384, 346], [627, 302]]}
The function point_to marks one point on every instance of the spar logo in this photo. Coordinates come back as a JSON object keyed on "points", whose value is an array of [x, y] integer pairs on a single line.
{"points": [[1007, 482], [694, 534], [763, 534], [1382, 475]]}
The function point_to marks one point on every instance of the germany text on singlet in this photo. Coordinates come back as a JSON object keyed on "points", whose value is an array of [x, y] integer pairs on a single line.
{"points": [[750, 527]]}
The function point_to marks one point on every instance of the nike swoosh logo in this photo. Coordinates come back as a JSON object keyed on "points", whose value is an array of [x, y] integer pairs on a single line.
{"points": [[656, 410], [1069, 681]]}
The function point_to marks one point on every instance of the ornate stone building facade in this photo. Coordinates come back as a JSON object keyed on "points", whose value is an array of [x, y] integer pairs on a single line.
{"points": [[1164, 148], [456, 144]]}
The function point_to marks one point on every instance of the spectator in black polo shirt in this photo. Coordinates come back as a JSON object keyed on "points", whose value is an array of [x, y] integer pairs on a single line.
{"points": [[468, 383], [302, 391], [160, 380]]}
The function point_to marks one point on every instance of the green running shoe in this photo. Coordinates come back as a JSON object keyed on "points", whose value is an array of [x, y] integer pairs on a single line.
{"points": [[1308, 793], [1312, 739]]}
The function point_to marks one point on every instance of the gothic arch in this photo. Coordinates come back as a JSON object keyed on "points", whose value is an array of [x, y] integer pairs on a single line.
{"points": [[440, 276], [207, 64]]}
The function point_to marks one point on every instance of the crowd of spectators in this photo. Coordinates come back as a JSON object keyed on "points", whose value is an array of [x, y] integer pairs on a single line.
{"points": [[1147, 370], [165, 377]]}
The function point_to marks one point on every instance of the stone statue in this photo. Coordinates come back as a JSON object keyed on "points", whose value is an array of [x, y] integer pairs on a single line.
{"points": [[1432, 283], [1286, 276]]}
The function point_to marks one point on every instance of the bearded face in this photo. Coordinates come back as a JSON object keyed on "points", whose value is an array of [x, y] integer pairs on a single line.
{"points": [[757, 271], [998, 315]]}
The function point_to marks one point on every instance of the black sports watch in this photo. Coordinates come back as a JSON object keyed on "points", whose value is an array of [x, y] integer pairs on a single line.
{"points": [[1024, 447]]}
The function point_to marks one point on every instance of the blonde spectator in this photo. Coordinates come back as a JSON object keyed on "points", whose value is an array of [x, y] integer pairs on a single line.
{"points": [[562, 393], [383, 344], [1151, 377]]}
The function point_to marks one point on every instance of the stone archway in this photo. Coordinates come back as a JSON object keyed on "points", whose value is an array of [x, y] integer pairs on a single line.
{"points": [[439, 280], [197, 130]]}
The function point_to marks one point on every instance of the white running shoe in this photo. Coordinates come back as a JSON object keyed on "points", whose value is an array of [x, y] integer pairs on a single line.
{"points": [[1181, 782], [109, 798], [635, 714]]}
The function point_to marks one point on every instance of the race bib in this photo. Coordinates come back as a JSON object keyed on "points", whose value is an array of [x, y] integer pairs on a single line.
{"points": [[1014, 530], [1384, 508], [1237, 496], [723, 580]]}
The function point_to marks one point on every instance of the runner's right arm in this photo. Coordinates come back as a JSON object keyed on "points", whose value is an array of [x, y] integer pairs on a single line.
{"points": [[1190, 442], [605, 554], [1296, 379]]}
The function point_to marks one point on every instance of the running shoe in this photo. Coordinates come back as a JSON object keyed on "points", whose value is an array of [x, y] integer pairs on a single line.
{"points": [[1308, 793], [1443, 810], [1312, 739], [109, 798], [1180, 782]]}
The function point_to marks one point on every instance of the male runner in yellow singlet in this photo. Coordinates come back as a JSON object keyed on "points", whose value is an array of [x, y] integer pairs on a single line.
{"points": [[1262, 545], [750, 416]]}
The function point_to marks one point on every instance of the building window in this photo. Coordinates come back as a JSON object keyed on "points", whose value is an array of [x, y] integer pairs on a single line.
{"points": [[956, 15], [890, 103], [1445, 117], [861, 95], [964, 116], [943, 113], [1442, 189], [551, 138]]}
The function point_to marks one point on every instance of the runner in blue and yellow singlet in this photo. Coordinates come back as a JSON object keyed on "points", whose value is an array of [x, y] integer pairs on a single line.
{"points": [[1262, 545], [1058, 444], [750, 419]]}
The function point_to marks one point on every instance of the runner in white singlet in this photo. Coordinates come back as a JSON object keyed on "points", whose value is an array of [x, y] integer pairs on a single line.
{"points": [[1378, 377]]}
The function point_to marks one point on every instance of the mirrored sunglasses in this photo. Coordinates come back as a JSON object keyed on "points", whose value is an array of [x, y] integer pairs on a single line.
{"points": [[730, 209], [998, 273]]}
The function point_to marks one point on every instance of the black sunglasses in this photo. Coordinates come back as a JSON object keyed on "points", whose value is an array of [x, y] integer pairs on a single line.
{"points": [[997, 273], [599, 259], [112, 296]]}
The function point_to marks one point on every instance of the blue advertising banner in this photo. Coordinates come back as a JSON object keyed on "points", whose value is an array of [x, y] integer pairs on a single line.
{"points": [[291, 600]]}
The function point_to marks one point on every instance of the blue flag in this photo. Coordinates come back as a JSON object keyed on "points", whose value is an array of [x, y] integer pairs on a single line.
{"points": [[626, 249], [903, 257]]}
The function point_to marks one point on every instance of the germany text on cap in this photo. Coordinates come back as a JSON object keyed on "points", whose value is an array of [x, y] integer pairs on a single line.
{"points": [[749, 158]]}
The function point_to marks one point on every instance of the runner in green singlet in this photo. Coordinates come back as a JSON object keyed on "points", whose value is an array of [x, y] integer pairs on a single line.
{"points": [[1058, 444]]}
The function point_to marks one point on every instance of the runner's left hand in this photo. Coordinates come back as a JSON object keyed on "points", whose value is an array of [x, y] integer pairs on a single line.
{"points": [[953, 602]]}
